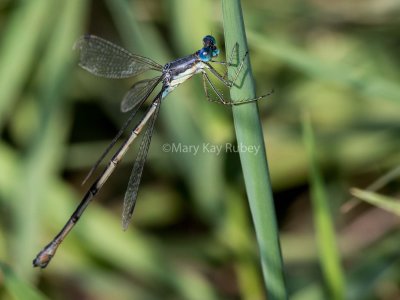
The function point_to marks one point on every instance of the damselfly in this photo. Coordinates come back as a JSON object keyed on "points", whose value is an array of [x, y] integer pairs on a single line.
{"points": [[105, 59]]}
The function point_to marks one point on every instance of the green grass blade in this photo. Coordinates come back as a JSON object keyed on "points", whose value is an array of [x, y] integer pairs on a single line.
{"points": [[390, 204], [255, 167], [236, 234], [22, 37], [325, 232]]}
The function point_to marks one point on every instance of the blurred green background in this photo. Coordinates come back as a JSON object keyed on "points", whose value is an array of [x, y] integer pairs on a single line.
{"points": [[192, 235]]}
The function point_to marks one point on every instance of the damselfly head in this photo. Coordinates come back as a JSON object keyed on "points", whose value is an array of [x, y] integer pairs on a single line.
{"points": [[209, 50], [207, 53]]}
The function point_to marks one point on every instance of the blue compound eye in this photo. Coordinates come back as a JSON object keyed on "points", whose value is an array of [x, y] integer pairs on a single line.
{"points": [[205, 54], [209, 40], [215, 52]]}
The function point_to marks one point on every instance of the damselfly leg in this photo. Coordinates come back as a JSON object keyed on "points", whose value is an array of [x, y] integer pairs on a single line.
{"points": [[207, 82]]}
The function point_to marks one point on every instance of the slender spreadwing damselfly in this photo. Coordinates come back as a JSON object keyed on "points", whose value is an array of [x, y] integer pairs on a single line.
{"points": [[105, 59]]}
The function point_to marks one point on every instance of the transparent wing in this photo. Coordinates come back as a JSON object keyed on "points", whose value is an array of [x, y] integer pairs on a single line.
{"points": [[134, 180], [105, 59], [138, 93]]}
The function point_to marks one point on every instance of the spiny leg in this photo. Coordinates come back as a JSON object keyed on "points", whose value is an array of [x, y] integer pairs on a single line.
{"points": [[229, 83], [205, 80], [229, 62], [223, 78], [221, 99]]}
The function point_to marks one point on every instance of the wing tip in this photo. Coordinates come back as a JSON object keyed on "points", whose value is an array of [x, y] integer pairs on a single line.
{"points": [[125, 222]]}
